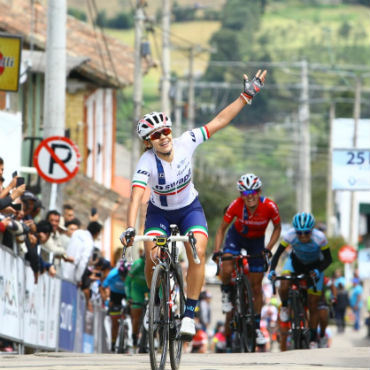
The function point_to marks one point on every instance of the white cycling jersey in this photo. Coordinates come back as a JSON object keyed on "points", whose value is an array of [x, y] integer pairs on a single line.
{"points": [[171, 182]]}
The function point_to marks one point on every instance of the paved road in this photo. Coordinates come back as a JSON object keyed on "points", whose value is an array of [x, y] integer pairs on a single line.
{"points": [[349, 351]]}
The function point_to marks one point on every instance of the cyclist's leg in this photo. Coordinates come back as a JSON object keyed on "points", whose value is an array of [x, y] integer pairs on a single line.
{"points": [[231, 248], [115, 313], [255, 247], [192, 219], [138, 299], [156, 223]]}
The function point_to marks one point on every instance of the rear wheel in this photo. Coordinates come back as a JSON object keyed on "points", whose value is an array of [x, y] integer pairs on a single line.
{"points": [[177, 308], [122, 337], [158, 319], [297, 324]]}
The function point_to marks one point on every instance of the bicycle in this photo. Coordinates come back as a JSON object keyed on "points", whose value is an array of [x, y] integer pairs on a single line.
{"points": [[297, 298], [167, 298], [243, 324], [124, 333]]}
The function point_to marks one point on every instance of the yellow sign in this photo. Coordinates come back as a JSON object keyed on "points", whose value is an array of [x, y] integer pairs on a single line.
{"points": [[10, 61]]}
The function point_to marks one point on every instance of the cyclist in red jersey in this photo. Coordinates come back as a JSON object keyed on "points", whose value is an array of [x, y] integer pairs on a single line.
{"points": [[253, 213]]}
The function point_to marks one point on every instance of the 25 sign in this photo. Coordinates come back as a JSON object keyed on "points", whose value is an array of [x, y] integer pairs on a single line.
{"points": [[358, 157], [351, 169]]}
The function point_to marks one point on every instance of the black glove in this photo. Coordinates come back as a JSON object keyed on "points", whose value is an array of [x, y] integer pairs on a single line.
{"points": [[251, 88], [215, 255], [127, 235]]}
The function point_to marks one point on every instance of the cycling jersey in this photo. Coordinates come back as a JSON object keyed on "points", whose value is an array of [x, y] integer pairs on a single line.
{"points": [[309, 252], [171, 182], [135, 283], [114, 282], [252, 225]]}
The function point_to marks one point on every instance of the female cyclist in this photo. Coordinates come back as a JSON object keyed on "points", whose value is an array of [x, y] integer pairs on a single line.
{"points": [[166, 168], [310, 255], [253, 213]]}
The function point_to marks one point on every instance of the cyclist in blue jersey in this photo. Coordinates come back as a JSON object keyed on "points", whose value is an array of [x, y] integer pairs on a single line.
{"points": [[114, 289], [166, 168], [310, 254]]}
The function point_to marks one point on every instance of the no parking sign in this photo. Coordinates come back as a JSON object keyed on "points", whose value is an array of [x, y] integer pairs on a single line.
{"points": [[57, 159]]}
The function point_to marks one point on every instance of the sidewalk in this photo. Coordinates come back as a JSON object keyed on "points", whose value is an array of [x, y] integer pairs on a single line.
{"points": [[350, 338]]}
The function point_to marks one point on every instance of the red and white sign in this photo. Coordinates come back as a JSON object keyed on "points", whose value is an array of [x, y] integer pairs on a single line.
{"points": [[57, 159], [347, 254]]}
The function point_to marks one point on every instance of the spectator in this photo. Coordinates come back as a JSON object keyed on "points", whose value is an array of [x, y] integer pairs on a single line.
{"points": [[205, 309], [80, 248], [53, 249], [342, 302], [356, 301], [218, 343], [71, 226], [68, 215], [9, 193]]}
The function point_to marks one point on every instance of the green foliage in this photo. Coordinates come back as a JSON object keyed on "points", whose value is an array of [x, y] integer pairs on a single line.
{"points": [[120, 21], [183, 13], [77, 13], [335, 244]]}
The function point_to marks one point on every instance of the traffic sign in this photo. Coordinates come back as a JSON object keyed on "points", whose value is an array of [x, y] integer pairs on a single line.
{"points": [[57, 159], [347, 254]]}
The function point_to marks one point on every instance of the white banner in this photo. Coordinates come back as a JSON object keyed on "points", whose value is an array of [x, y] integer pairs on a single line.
{"points": [[9, 296], [351, 169], [364, 263], [53, 312], [31, 304]]}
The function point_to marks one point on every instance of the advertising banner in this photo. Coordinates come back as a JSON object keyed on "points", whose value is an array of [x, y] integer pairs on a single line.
{"points": [[67, 317], [9, 296], [53, 312], [31, 305], [10, 61]]}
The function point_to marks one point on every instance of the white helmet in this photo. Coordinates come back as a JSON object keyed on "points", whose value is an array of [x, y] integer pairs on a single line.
{"points": [[152, 122], [249, 181]]}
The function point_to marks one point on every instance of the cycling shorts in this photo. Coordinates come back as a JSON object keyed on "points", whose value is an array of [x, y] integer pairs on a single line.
{"points": [[288, 267], [116, 298], [138, 295], [234, 243], [189, 218]]}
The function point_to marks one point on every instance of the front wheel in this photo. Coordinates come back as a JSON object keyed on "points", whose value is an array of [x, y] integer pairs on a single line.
{"points": [[158, 319], [122, 337], [177, 308], [248, 323]]}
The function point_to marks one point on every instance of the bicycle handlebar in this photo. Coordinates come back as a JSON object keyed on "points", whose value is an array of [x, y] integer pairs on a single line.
{"points": [[293, 277], [169, 239]]}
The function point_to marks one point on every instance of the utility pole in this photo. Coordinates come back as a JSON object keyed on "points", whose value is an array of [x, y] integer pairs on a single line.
{"points": [[166, 58], [191, 105], [329, 191], [55, 88], [304, 191], [138, 93], [353, 218], [178, 107]]}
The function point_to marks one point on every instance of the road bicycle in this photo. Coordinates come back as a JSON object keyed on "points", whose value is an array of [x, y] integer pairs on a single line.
{"points": [[243, 323], [124, 333], [297, 305], [167, 297]]}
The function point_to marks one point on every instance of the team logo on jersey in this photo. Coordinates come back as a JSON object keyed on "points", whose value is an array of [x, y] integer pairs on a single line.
{"points": [[193, 138]]}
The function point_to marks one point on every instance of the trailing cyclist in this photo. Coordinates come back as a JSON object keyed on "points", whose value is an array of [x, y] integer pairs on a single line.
{"points": [[253, 213], [166, 167], [114, 291], [311, 255], [136, 290]]}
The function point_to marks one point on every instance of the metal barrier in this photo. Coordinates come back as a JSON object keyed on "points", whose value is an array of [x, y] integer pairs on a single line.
{"points": [[49, 315]]}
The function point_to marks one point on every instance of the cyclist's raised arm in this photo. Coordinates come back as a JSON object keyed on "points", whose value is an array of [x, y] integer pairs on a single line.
{"points": [[251, 88]]}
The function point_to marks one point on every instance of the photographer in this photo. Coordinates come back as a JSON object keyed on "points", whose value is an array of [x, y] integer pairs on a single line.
{"points": [[11, 192]]}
